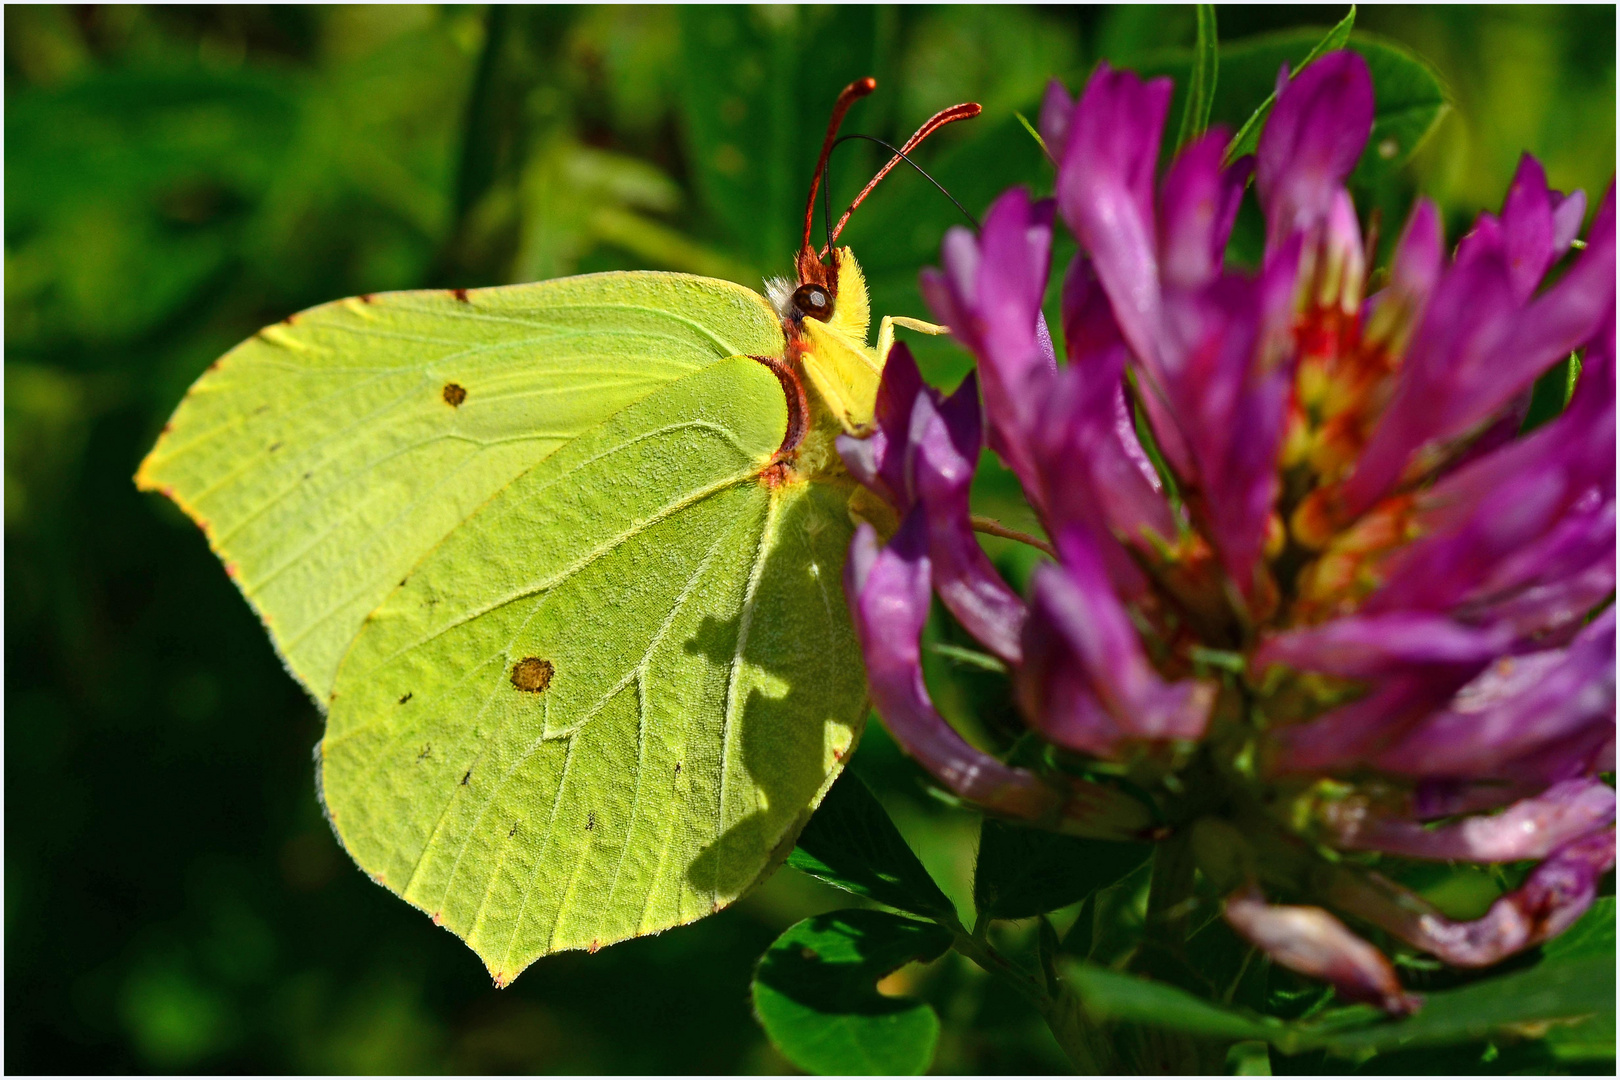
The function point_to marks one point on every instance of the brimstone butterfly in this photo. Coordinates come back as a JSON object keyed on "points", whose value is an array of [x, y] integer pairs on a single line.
{"points": [[562, 562]]}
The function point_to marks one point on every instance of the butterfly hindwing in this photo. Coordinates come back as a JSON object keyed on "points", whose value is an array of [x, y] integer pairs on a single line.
{"points": [[604, 704]]}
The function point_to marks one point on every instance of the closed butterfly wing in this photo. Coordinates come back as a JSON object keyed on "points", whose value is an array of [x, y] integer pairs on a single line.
{"points": [[601, 669]]}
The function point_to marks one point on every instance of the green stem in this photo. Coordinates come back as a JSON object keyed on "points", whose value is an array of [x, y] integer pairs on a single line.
{"points": [[1081, 1041]]}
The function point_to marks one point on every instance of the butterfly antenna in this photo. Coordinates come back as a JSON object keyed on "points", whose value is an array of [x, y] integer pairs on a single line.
{"points": [[849, 96], [965, 111]]}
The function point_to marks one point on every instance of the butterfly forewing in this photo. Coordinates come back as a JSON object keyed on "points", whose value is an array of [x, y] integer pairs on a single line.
{"points": [[326, 455]]}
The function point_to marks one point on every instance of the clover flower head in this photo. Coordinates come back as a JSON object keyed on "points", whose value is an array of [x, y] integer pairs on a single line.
{"points": [[1312, 588]]}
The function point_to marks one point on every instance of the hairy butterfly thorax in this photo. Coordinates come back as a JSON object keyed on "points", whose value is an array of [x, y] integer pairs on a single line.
{"points": [[826, 314]]}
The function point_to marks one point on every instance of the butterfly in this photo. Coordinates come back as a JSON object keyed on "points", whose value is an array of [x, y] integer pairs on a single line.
{"points": [[562, 564]]}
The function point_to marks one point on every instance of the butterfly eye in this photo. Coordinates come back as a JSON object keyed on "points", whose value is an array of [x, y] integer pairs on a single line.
{"points": [[813, 300]]}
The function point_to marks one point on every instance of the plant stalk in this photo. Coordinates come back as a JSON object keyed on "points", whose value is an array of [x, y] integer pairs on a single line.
{"points": [[1082, 1041], [992, 527]]}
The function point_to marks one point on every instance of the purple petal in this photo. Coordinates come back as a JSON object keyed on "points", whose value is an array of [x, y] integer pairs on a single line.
{"points": [[1504, 523], [1476, 349], [1441, 798], [1346, 736], [1548, 587], [1416, 663], [1087, 682], [1056, 108], [1312, 942], [947, 441], [1420, 256], [1105, 193], [1529, 829], [879, 459], [1230, 390], [1568, 213], [1368, 646], [1198, 203], [1520, 706], [1535, 228], [1557, 893], [1097, 349], [1467, 320], [889, 595], [1312, 141], [1094, 473], [1527, 227], [990, 296], [1413, 274], [1340, 269]]}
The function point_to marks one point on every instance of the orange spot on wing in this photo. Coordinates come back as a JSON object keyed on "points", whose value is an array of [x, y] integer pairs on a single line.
{"points": [[230, 570], [460, 294], [367, 298], [595, 945], [438, 918]]}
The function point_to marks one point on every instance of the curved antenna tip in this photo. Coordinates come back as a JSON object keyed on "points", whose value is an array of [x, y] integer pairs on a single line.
{"points": [[847, 97]]}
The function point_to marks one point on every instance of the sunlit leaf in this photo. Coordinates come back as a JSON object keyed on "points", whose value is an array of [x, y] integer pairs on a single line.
{"points": [[816, 994]]}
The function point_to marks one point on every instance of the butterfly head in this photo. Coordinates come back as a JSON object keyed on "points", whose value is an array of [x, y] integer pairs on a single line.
{"points": [[836, 299], [824, 309]]}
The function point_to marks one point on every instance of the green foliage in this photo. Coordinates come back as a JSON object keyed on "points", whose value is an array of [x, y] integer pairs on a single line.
{"points": [[1200, 91], [1247, 137], [1572, 986], [1024, 872], [816, 994], [851, 843], [1408, 102]]}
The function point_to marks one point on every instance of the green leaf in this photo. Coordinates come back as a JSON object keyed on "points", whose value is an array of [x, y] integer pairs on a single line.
{"points": [[755, 85], [601, 670], [1592, 935], [816, 994], [1551, 991], [1029, 127], [1408, 102], [1551, 393], [852, 844], [1201, 91], [1248, 136], [1574, 988], [1114, 996], [1024, 872]]}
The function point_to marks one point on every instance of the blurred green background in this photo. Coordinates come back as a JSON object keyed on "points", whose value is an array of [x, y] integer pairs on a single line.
{"points": [[178, 177]]}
